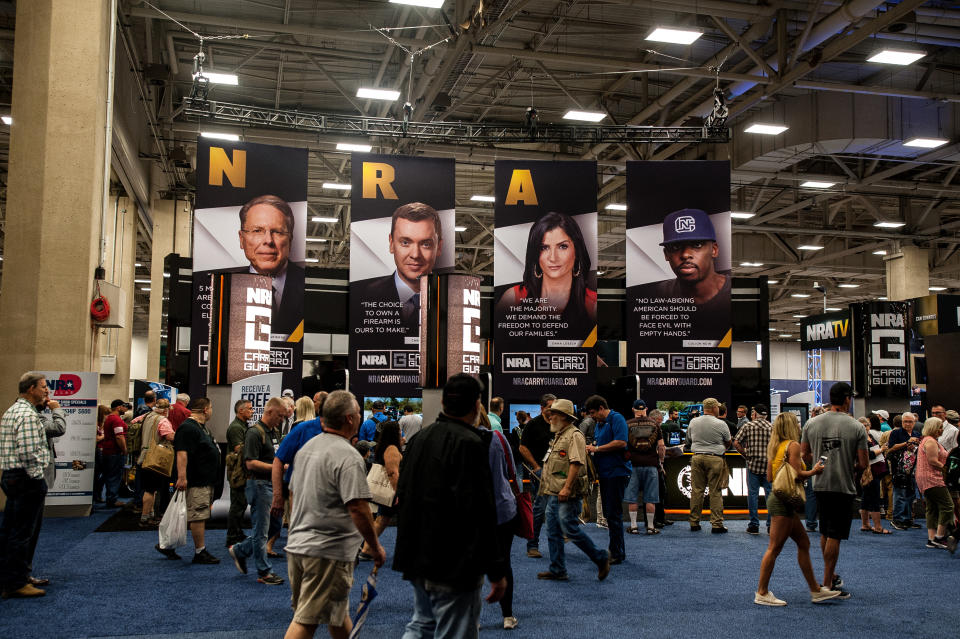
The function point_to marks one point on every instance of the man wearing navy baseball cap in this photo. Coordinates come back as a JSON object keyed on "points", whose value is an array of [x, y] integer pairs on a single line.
{"points": [[690, 247]]}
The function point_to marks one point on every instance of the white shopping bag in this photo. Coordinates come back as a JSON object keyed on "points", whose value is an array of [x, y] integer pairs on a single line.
{"points": [[173, 526]]}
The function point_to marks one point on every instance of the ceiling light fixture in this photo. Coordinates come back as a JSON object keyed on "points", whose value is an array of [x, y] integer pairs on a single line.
{"points": [[848, 286], [800, 295], [145, 289], [137, 264], [815, 184], [430, 4], [312, 260], [882, 298], [785, 335], [766, 129], [674, 36], [585, 116], [880, 252], [810, 247], [741, 215], [896, 56], [773, 281], [751, 263], [328, 220], [799, 316], [482, 198], [6, 119], [219, 78], [378, 94], [359, 148], [600, 272], [889, 225], [459, 229], [316, 239], [231, 137], [336, 186], [616, 207], [925, 143], [937, 289], [141, 281], [832, 308]]}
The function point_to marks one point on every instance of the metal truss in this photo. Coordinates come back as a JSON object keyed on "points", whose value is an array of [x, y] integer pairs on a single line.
{"points": [[814, 374], [448, 132]]}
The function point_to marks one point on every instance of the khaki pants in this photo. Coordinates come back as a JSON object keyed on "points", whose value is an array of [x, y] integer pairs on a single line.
{"points": [[886, 487], [707, 471]]}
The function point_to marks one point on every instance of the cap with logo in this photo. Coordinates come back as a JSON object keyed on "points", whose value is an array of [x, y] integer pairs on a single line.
{"points": [[687, 225], [287, 393], [639, 404], [882, 414]]}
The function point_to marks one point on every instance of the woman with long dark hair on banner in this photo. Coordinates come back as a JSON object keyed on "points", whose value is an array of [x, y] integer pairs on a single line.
{"points": [[556, 269]]}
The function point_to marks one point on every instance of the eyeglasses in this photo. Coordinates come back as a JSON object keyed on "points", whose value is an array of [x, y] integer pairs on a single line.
{"points": [[260, 233]]}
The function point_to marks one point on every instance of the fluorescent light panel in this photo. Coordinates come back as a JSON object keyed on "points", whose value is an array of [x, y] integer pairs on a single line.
{"points": [[814, 184], [141, 281], [616, 207], [585, 116], [773, 281], [430, 4], [925, 143], [741, 215], [6, 119], [232, 137], [674, 36], [316, 239], [459, 229], [328, 220], [882, 298], [833, 308], [145, 289], [378, 94], [137, 264], [360, 148], [312, 260], [482, 198], [810, 247], [766, 129], [337, 186], [848, 286], [751, 263], [937, 288], [880, 252], [800, 295], [896, 56], [785, 335], [889, 225], [799, 316], [219, 78]]}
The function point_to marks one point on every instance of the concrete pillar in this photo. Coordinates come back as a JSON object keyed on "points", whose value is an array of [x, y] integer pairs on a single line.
{"points": [[55, 187], [172, 231], [908, 273], [120, 256]]}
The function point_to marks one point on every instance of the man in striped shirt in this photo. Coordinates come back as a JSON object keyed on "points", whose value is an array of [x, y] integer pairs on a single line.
{"points": [[23, 456]]}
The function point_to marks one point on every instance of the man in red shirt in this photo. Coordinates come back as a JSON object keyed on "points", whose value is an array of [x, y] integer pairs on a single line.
{"points": [[113, 448], [178, 410]]}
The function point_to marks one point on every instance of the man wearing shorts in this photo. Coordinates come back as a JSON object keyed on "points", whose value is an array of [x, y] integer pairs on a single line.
{"points": [[329, 518], [198, 463], [842, 441]]}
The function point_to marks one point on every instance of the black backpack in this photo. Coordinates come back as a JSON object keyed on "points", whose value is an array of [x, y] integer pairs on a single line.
{"points": [[642, 436]]}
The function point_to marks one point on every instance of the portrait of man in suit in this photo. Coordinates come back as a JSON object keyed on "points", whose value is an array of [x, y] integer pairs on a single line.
{"points": [[415, 241], [266, 229]]}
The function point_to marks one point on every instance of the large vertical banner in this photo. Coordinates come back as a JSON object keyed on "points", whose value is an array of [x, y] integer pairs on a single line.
{"points": [[76, 449], [402, 227], [545, 278], [880, 350], [678, 279], [251, 217]]}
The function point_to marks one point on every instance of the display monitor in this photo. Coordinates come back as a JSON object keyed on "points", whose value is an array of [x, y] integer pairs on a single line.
{"points": [[530, 409], [392, 406], [686, 412]]}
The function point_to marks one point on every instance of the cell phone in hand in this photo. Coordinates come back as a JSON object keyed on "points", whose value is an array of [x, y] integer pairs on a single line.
{"points": [[823, 459]]}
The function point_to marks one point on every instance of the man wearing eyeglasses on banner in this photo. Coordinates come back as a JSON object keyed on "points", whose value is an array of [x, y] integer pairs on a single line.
{"points": [[266, 229]]}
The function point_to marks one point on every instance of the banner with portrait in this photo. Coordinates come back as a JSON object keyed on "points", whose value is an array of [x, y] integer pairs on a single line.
{"points": [[251, 217], [402, 227], [678, 257], [545, 279]]}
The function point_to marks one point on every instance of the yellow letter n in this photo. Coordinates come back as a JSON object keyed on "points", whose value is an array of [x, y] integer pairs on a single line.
{"points": [[220, 165]]}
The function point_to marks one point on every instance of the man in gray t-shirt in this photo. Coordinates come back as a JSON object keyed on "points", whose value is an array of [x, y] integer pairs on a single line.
{"points": [[329, 517], [709, 439], [843, 441]]}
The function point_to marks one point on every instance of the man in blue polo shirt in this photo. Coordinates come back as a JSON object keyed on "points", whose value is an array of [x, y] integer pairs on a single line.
{"points": [[368, 430], [298, 436], [613, 469]]}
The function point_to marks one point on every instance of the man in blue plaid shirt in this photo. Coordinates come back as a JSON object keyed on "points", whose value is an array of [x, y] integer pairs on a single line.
{"points": [[23, 456]]}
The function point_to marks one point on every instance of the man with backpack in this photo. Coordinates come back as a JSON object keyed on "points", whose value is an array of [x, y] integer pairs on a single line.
{"points": [[236, 470], [646, 448], [902, 455]]}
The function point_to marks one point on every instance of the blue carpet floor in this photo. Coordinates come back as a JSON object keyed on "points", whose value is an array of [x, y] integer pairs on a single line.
{"points": [[675, 584]]}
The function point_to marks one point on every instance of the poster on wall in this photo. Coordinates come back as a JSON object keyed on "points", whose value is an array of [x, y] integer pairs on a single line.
{"points": [[880, 350], [545, 278], [402, 227], [257, 390], [76, 450], [251, 217], [678, 256], [161, 391]]}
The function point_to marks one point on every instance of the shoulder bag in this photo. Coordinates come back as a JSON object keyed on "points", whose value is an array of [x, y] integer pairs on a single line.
{"points": [[160, 456], [786, 486], [523, 523], [380, 486]]}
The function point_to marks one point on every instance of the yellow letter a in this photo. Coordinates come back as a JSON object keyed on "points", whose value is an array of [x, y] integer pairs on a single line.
{"points": [[521, 188]]}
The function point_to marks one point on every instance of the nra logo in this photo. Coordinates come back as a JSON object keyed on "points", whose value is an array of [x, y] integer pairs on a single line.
{"points": [[649, 363], [828, 330], [517, 363], [64, 386], [404, 360], [684, 224], [374, 360]]}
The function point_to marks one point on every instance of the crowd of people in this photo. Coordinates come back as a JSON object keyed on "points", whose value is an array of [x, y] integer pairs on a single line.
{"points": [[307, 463]]}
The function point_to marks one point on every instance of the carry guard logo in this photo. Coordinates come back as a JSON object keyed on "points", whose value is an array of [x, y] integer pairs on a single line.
{"points": [[684, 224], [66, 385]]}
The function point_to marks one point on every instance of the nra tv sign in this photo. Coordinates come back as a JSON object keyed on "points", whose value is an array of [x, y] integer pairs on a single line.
{"points": [[831, 330]]}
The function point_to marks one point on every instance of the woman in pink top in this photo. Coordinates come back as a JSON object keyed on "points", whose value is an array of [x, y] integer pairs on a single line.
{"points": [[930, 462]]}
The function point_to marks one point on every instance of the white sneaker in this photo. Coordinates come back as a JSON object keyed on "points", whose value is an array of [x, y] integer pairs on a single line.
{"points": [[509, 623], [823, 595], [768, 600]]}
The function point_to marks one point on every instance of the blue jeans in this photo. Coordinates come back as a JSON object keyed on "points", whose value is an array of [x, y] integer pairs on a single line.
{"points": [[811, 505], [442, 614], [20, 527], [259, 496], [903, 504], [563, 520], [611, 494], [754, 483], [539, 506], [113, 476]]}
